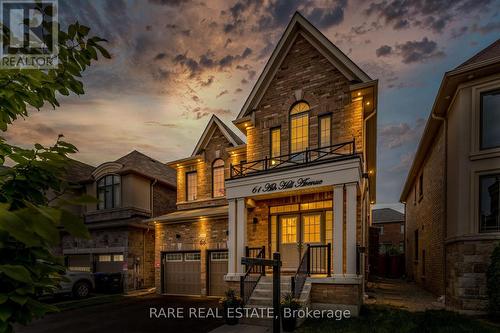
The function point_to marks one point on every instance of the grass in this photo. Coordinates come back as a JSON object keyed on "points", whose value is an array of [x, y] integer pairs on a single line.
{"points": [[382, 319]]}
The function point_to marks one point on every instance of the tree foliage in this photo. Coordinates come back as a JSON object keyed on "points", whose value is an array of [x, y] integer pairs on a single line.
{"points": [[30, 225]]}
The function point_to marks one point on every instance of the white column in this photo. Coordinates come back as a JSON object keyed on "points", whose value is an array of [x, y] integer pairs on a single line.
{"points": [[231, 237], [241, 233], [338, 229], [351, 223]]}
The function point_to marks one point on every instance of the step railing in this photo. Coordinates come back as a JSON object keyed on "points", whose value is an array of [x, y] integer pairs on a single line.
{"points": [[253, 273], [317, 259]]}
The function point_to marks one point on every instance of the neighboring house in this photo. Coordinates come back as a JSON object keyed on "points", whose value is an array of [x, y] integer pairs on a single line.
{"points": [[306, 176], [129, 190], [452, 189], [391, 225]]}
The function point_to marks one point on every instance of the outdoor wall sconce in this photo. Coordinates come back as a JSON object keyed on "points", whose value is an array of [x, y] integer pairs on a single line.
{"points": [[365, 174], [227, 232], [177, 236], [255, 220]]}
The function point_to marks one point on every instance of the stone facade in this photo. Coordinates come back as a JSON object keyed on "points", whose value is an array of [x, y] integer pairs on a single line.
{"points": [[467, 262], [425, 215], [322, 86]]}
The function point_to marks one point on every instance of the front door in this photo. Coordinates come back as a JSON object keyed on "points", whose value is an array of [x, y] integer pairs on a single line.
{"points": [[295, 236], [289, 238]]}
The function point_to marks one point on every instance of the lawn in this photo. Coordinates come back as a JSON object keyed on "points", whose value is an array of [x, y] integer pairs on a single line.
{"points": [[381, 319]]}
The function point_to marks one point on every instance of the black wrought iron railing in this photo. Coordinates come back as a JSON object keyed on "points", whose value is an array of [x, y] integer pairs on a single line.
{"points": [[300, 277], [320, 259], [317, 259], [308, 156], [253, 273]]}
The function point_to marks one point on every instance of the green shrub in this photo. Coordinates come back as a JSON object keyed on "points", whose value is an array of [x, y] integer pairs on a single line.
{"points": [[493, 283]]}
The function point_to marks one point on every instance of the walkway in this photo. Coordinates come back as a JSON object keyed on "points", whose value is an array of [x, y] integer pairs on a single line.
{"points": [[401, 294]]}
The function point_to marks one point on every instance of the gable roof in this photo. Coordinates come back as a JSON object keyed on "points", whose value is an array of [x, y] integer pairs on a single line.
{"points": [[142, 164], [485, 63], [386, 215], [299, 24], [77, 171], [489, 52], [213, 123]]}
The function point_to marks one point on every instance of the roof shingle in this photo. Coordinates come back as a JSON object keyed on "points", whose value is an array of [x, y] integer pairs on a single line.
{"points": [[384, 215]]}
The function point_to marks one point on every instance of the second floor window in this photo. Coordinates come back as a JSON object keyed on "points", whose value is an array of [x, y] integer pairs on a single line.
{"points": [[490, 119], [109, 192], [191, 186], [299, 127], [275, 142], [325, 132], [218, 178]]}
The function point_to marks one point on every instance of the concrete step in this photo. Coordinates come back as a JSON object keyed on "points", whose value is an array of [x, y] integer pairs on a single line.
{"points": [[262, 301], [267, 293]]}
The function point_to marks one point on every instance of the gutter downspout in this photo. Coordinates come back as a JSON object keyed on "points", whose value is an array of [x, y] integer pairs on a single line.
{"points": [[445, 169]]}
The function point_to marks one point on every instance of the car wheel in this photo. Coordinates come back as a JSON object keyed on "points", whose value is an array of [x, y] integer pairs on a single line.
{"points": [[81, 289]]}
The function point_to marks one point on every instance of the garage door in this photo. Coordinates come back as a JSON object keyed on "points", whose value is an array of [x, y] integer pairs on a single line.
{"points": [[182, 273], [79, 262], [217, 269], [109, 263]]}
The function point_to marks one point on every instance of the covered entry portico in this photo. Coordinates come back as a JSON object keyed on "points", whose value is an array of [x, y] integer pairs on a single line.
{"points": [[311, 205]]}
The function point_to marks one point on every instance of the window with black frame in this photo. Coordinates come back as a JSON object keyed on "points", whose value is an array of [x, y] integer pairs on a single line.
{"points": [[218, 189], [109, 192], [489, 203], [490, 119], [299, 130]]}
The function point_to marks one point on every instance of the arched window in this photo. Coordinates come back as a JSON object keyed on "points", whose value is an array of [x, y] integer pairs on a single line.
{"points": [[218, 189], [299, 127], [109, 192]]}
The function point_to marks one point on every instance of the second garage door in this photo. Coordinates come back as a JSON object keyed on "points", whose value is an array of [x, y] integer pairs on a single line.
{"points": [[182, 273], [216, 270]]}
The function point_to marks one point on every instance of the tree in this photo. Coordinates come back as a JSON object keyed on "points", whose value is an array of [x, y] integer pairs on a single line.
{"points": [[30, 226]]}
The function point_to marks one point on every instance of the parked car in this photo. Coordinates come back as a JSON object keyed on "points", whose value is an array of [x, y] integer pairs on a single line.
{"points": [[76, 284]]}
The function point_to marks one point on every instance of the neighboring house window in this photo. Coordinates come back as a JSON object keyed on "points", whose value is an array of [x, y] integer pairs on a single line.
{"points": [[218, 178], [299, 127], [490, 119], [275, 142], [381, 229], [402, 229], [191, 185], [489, 203], [421, 186], [325, 131], [108, 192], [416, 245]]}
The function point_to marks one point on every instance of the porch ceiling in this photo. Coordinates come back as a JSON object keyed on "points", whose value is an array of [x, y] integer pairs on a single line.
{"points": [[191, 214]]}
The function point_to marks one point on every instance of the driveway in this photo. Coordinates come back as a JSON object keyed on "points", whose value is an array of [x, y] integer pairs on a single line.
{"points": [[131, 314]]}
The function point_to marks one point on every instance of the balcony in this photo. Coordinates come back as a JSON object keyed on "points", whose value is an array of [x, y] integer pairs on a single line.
{"points": [[307, 157]]}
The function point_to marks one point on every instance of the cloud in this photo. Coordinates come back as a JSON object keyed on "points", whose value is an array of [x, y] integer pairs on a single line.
{"points": [[487, 28], [222, 93], [396, 135], [157, 123], [383, 50], [173, 3], [412, 51], [432, 15]]}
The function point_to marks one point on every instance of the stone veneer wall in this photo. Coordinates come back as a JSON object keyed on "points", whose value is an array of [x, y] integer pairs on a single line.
{"points": [[467, 262], [323, 87]]}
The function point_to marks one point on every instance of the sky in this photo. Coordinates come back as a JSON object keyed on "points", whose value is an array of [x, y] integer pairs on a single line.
{"points": [[176, 62]]}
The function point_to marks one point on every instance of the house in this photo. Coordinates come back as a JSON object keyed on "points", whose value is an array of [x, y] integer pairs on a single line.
{"points": [[129, 190], [451, 192], [301, 185], [391, 225]]}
